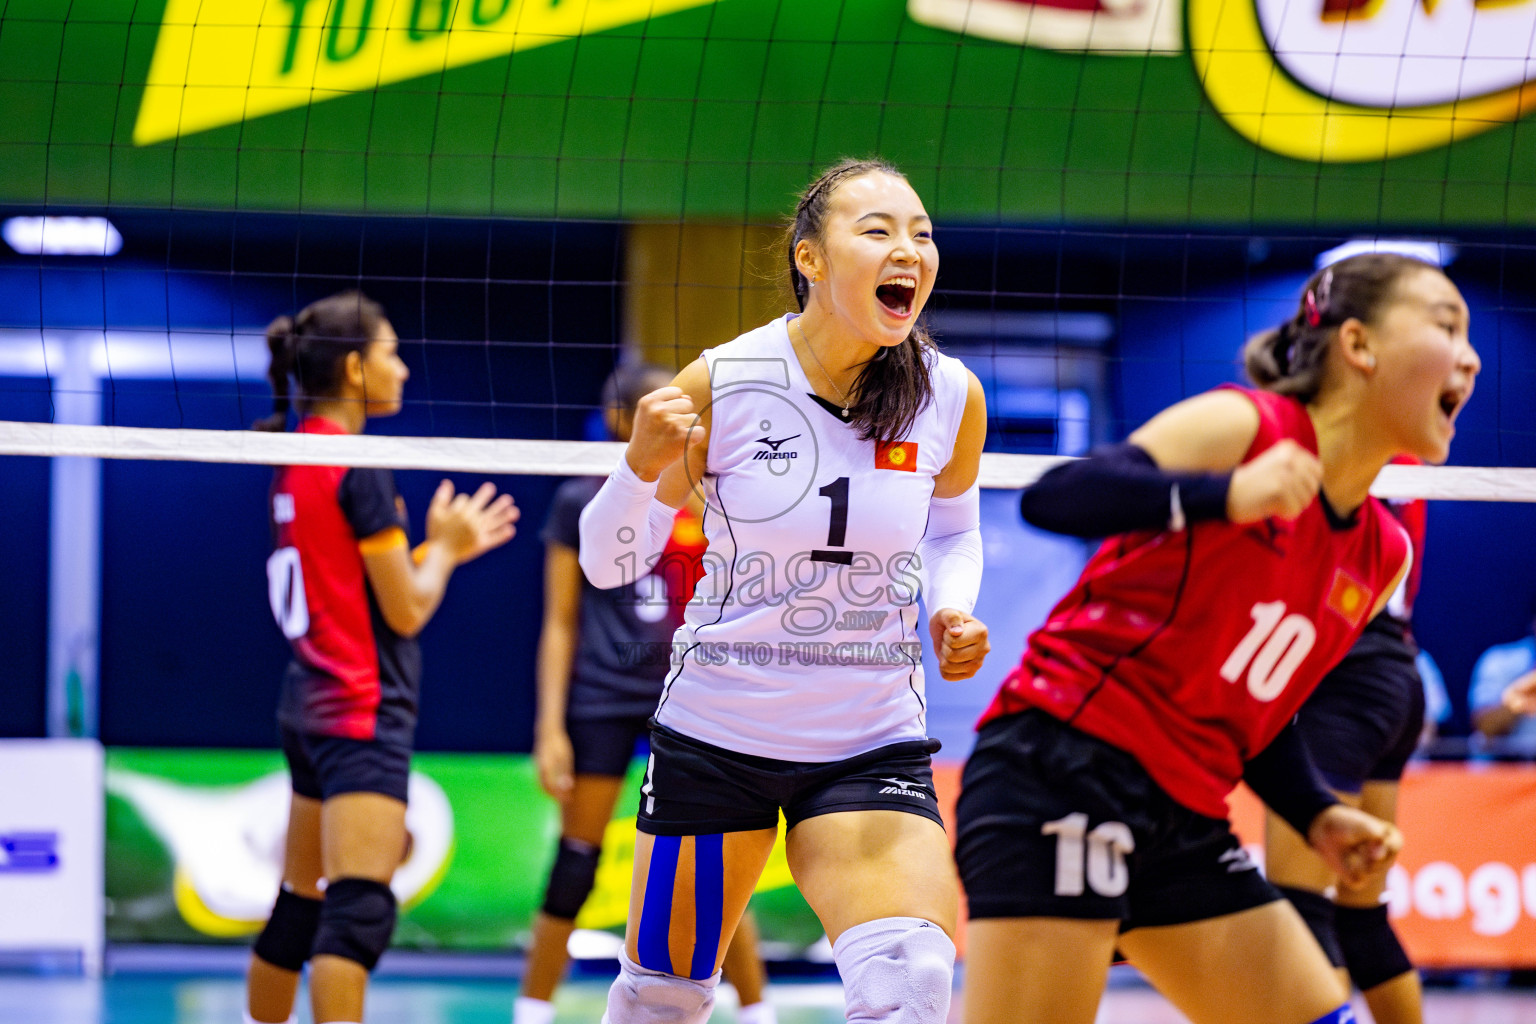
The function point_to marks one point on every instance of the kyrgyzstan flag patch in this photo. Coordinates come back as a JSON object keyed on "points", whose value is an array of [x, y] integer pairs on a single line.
{"points": [[1349, 597], [901, 456]]}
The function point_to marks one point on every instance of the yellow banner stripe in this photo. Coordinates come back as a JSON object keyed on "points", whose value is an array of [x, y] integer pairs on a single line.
{"points": [[219, 63]]}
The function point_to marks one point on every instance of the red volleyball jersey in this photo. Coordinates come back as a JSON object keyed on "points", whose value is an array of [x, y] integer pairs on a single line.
{"points": [[682, 561], [1414, 516], [351, 675], [1190, 650]]}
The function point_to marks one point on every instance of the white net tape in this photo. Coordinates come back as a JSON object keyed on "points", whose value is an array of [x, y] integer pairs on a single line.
{"points": [[592, 458]]}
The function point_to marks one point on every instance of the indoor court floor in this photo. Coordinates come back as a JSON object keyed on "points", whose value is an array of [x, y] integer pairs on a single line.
{"points": [[212, 994]]}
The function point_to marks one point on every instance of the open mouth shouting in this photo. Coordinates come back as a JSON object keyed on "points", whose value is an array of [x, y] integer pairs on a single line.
{"points": [[897, 294], [1451, 400]]}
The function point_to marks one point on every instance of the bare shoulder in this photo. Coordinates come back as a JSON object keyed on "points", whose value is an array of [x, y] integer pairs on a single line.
{"points": [[1210, 432], [975, 394], [694, 380], [965, 459]]}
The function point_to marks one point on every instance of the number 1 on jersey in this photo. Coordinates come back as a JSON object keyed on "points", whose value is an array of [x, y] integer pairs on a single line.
{"points": [[837, 529]]}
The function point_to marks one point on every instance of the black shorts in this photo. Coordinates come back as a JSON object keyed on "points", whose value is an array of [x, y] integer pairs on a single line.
{"points": [[605, 746], [1363, 721], [692, 788], [325, 766], [1055, 823]]}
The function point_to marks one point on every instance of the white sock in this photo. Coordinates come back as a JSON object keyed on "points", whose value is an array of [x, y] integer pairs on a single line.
{"points": [[527, 1010], [758, 1013]]}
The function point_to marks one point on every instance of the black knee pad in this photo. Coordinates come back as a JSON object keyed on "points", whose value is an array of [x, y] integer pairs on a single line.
{"points": [[1320, 913], [356, 921], [571, 879], [290, 932], [1372, 951]]}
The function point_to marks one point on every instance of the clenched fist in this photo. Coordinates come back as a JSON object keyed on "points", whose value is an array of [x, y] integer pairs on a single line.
{"points": [[959, 641], [666, 426], [1356, 845], [1281, 482]]}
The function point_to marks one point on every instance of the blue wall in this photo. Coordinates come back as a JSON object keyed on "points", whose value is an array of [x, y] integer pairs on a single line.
{"points": [[189, 652]]}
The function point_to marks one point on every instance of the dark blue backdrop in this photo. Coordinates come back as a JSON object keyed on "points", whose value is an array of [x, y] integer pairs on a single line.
{"points": [[189, 652]]}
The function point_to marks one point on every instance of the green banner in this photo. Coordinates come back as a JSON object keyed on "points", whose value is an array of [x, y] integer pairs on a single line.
{"points": [[1208, 111], [195, 840]]}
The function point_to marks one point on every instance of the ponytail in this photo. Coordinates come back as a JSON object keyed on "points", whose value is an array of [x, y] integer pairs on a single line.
{"points": [[311, 348], [1292, 359], [280, 345], [1275, 361]]}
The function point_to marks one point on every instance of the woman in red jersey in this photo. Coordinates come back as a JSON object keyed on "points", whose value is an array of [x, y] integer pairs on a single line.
{"points": [[1244, 557], [351, 596], [1361, 725]]}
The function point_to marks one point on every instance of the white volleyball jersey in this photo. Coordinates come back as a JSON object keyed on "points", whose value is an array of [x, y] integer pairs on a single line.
{"points": [[802, 641]]}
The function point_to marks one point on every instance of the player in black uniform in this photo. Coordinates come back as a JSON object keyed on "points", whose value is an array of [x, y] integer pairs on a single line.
{"points": [[1361, 725], [603, 656], [350, 596]]}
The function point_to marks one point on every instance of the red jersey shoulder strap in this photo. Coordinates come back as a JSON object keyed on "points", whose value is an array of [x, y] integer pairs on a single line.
{"points": [[1280, 417]]}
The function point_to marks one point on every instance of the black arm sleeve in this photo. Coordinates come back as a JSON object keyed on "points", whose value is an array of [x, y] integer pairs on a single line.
{"points": [[1286, 779], [1117, 489]]}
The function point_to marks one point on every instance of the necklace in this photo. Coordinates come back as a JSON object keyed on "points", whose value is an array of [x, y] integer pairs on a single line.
{"points": [[807, 343]]}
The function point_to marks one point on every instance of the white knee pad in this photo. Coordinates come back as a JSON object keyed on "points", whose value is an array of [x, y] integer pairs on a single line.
{"points": [[896, 970], [639, 996]]}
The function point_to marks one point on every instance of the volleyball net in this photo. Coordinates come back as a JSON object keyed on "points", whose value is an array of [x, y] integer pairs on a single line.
{"points": [[589, 458], [537, 193]]}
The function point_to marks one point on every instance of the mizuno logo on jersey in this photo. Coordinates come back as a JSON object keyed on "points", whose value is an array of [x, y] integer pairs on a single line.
{"points": [[901, 787], [773, 446]]}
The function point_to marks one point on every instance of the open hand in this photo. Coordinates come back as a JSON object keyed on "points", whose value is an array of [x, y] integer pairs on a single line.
{"points": [[469, 525]]}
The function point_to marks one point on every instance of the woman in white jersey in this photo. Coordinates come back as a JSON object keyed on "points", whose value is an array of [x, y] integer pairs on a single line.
{"points": [[836, 452]]}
